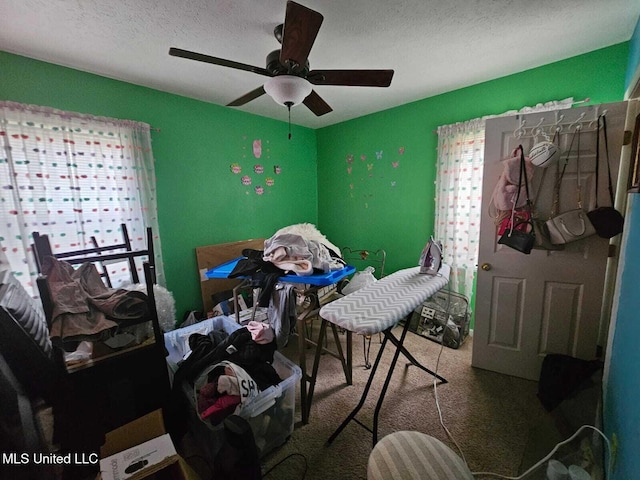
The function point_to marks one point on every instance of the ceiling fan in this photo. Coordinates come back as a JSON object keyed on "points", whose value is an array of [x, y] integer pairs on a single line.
{"points": [[291, 77]]}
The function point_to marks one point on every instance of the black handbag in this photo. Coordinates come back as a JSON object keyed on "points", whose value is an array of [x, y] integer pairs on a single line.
{"points": [[607, 221], [520, 239]]}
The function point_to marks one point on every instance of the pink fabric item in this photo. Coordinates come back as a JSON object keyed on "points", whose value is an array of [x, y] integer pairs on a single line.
{"points": [[224, 406], [261, 332], [207, 396]]}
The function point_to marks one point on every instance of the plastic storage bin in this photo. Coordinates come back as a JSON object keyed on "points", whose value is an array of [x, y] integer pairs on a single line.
{"points": [[271, 414]]}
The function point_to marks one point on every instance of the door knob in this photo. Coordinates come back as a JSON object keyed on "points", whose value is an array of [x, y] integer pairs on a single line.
{"points": [[486, 267]]}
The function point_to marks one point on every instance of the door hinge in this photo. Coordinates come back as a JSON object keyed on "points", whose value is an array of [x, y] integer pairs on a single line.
{"points": [[628, 135], [612, 251]]}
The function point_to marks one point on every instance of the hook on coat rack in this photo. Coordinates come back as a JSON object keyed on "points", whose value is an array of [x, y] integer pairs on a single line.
{"points": [[520, 131], [576, 123], [557, 126], [539, 130]]}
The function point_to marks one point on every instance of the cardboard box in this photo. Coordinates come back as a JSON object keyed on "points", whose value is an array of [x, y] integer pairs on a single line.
{"points": [[142, 449]]}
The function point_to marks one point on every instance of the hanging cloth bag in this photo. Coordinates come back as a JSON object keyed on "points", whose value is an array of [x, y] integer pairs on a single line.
{"points": [[571, 225], [607, 221], [518, 238]]}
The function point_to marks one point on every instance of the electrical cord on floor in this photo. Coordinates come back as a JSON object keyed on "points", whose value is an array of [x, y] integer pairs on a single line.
{"points": [[435, 378], [541, 462], [491, 474], [306, 465]]}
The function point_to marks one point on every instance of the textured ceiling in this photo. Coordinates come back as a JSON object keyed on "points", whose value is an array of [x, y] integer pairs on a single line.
{"points": [[434, 46]]}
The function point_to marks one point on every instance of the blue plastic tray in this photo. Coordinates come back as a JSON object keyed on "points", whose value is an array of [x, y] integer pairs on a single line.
{"points": [[318, 279]]}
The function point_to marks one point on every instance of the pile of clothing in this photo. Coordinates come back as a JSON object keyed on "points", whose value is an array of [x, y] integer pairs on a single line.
{"points": [[84, 308], [228, 371], [297, 249]]}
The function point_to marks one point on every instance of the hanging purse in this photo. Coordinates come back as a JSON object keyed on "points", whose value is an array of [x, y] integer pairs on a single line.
{"points": [[543, 238], [520, 236], [573, 224], [519, 218], [607, 221]]}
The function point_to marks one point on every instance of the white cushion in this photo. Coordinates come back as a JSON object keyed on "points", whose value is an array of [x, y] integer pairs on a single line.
{"points": [[413, 455]]}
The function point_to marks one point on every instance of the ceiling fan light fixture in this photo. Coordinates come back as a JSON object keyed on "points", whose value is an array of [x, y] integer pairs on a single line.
{"points": [[288, 90]]}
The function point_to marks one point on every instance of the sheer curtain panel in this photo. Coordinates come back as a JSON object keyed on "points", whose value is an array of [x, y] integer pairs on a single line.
{"points": [[459, 198], [73, 176]]}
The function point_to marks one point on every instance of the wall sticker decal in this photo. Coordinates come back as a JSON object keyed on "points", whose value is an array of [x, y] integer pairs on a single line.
{"points": [[257, 148]]}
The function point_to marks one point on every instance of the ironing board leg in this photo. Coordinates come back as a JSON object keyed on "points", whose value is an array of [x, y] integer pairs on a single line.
{"points": [[354, 412], [316, 362], [350, 356], [346, 364], [399, 344], [412, 359], [306, 395], [399, 348], [302, 345]]}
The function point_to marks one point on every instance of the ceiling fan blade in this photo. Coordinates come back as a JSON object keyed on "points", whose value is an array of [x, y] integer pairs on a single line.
{"points": [[247, 97], [301, 26], [178, 52], [316, 104], [353, 78]]}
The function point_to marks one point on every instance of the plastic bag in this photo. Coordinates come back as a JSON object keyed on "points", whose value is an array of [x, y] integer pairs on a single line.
{"points": [[360, 279]]}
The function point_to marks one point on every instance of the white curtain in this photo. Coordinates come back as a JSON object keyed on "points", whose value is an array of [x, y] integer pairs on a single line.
{"points": [[458, 199], [73, 176], [459, 193]]}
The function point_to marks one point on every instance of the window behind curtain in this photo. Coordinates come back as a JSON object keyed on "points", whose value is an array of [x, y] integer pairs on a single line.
{"points": [[73, 176]]}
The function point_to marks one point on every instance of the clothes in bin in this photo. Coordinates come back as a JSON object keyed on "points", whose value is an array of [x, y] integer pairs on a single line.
{"points": [[269, 411]]}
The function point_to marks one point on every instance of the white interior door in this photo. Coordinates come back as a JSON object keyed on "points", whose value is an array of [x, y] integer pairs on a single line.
{"points": [[548, 301]]}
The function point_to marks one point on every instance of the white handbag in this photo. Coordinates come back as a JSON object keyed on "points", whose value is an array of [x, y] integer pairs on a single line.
{"points": [[570, 226], [573, 224]]}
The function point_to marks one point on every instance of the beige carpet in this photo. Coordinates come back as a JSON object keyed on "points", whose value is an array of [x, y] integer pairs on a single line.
{"points": [[490, 415]]}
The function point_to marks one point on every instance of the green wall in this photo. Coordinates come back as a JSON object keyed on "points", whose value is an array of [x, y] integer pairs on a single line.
{"points": [[392, 207], [386, 201], [200, 200]]}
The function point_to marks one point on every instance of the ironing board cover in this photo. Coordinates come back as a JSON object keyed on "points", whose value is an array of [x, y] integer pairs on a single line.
{"points": [[383, 304]]}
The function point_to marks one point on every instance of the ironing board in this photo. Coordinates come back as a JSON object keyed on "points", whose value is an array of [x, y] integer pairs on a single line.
{"points": [[376, 308], [313, 292]]}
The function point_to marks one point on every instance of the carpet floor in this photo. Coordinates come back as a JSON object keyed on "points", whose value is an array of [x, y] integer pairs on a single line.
{"points": [[490, 416]]}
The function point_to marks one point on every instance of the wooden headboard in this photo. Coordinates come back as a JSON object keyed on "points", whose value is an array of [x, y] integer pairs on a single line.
{"points": [[212, 256]]}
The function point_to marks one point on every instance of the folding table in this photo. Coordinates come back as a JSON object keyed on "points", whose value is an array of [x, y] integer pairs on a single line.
{"points": [[379, 307], [313, 292]]}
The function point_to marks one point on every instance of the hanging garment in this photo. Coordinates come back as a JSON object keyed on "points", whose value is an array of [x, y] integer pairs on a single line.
{"points": [[282, 312]]}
